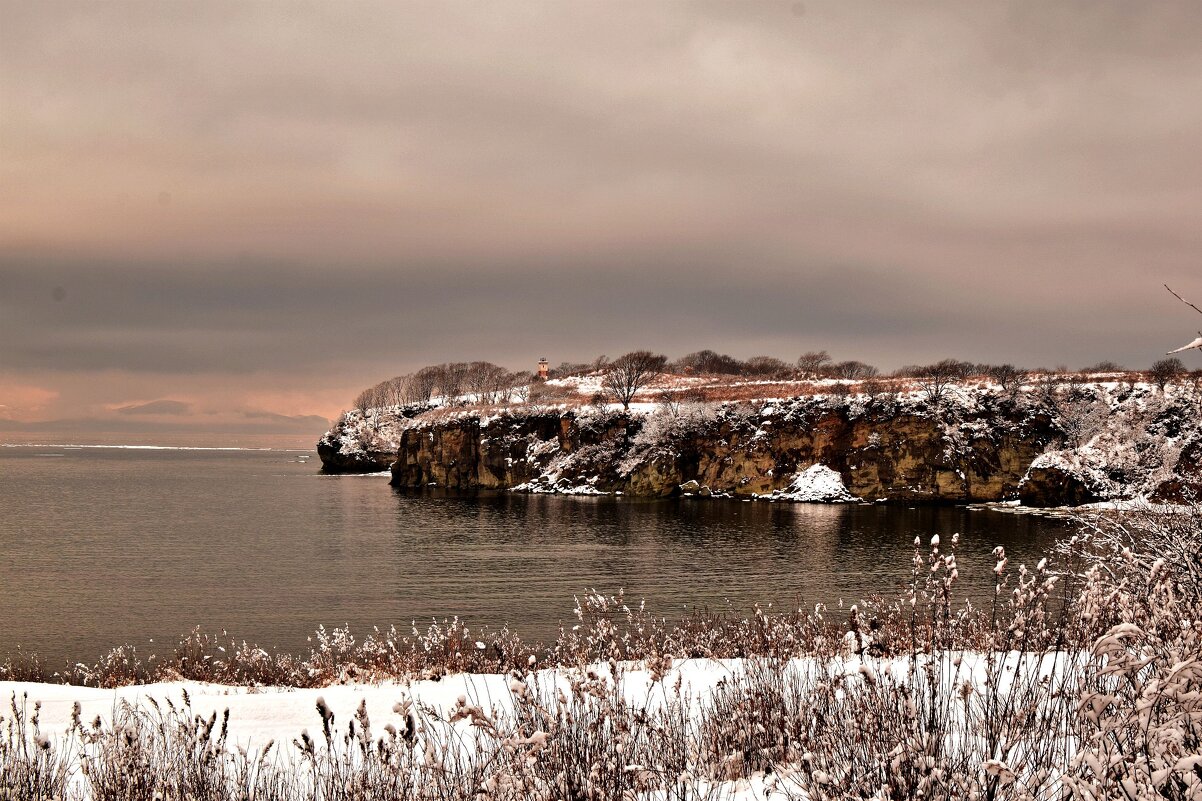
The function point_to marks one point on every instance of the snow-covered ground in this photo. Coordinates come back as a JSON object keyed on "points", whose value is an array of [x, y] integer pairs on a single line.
{"points": [[262, 715]]}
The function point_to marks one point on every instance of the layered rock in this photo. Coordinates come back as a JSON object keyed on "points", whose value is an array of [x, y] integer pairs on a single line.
{"points": [[878, 451], [335, 460], [1053, 485]]}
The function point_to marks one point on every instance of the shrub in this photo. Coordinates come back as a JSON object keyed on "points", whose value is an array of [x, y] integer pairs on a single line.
{"points": [[1166, 370]]}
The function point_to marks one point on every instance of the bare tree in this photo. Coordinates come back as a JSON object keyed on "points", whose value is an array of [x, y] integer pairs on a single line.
{"points": [[853, 370], [517, 385], [454, 379], [961, 369], [936, 379], [568, 369], [668, 402], [627, 374], [708, 361], [1104, 366], [1080, 414], [766, 366], [811, 362], [487, 381], [368, 398], [1044, 384], [1166, 370], [952, 367], [423, 383], [1007, 376], [395, 389]]}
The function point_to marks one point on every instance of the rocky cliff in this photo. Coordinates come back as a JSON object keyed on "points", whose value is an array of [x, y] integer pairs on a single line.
{"points": [[365, 441], [877, 450], [1047, 445]]}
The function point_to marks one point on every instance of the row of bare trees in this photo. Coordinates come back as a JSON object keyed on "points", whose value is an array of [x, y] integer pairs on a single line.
{"points": [[625, 376], [485, 381], [813, 364], [489, 383]]}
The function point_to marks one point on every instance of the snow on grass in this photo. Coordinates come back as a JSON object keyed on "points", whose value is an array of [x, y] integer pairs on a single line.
{"points": [[260, 716], [265, 715]]}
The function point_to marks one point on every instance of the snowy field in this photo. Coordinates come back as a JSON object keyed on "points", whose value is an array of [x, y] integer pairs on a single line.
{"points": [[261, 716], [456, 704]]}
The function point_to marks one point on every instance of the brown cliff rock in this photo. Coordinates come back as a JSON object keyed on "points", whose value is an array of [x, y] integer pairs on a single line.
{"points": [[880, 454]]}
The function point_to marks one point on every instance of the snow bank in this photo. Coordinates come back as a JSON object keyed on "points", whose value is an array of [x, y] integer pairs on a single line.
{"points": [[816, 484], [258, 716], [262, 715]]}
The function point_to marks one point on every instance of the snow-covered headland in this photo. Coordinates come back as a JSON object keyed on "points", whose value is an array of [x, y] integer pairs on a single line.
{"points": [[364, 440], [1058, 441]]}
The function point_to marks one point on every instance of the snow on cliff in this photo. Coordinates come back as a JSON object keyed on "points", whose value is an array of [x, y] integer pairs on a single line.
{"points": [[816, 484]]}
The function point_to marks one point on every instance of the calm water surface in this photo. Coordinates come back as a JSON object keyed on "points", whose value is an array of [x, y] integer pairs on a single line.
{"points": [[102, 546]]}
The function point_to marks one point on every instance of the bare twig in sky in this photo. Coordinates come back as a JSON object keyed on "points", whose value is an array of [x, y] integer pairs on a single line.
{"points": [[1183, 300], [1197, 343]]}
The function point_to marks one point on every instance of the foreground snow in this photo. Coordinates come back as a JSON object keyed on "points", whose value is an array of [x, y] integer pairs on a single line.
{"points": [[262, 715]]}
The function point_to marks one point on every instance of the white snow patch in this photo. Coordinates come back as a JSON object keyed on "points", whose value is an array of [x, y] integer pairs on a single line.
{"points": [[816, 484], [265, 714]]}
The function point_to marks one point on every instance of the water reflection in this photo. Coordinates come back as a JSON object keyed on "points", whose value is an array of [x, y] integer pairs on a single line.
{"points": [[101, 547], [517, 553]]}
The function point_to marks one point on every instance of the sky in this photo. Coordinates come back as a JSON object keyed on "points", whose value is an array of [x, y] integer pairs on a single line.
{"points": [[232, 217]]}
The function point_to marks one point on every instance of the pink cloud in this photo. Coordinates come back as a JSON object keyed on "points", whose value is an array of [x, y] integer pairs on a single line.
{"points": [[24, 402]]}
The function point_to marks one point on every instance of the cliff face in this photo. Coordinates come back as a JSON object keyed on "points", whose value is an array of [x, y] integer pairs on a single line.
{"points": [[898, 458], [337, 460], [879, 451], [502, 453]]}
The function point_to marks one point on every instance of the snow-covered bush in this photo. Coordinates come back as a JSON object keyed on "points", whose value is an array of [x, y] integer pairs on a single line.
{"points": [[660, 432], [1139, 724], [32, 764]]}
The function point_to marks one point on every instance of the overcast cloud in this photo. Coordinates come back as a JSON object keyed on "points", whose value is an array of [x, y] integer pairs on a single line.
{"points": [[246, 212]]}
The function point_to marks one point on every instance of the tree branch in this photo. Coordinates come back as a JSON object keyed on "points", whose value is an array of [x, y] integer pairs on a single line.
{"points": [[1183, 300]]}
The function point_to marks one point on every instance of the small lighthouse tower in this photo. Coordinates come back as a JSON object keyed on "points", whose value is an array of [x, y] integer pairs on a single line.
{"points": [[543, 368]]}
